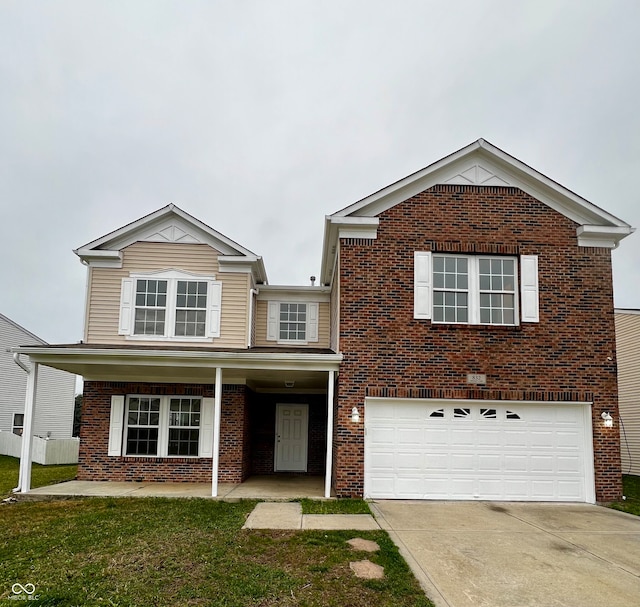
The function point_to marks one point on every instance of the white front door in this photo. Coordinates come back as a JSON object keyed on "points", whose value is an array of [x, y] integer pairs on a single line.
{"points": [[292, 423]]}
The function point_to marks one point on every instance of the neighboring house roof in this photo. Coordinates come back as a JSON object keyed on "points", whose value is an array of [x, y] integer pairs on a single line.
{"points": [[25, 331], [170, 224], [483, 164]]}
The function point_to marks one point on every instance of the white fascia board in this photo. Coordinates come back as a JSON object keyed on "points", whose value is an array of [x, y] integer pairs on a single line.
{"points": [[247, 264], [182, 359], [602, 236], [509, 169], [337, 227], [101, 258], [294, 293], [148, 224]]}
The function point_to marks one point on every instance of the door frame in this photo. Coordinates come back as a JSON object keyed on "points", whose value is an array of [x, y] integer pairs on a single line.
{"points": [[279, 408]]}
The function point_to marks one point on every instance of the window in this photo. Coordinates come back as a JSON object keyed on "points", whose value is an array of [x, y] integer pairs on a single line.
{"points": [[143, 426], [151, 307], [170, 305], [292, 321], [475, 289], [163, 426], [18, 423], [191, 308], [184, 426]]}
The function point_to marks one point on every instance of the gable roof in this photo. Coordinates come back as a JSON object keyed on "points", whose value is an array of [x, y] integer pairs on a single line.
{"points": [[169, 224], [22, 329], [479, 163]]}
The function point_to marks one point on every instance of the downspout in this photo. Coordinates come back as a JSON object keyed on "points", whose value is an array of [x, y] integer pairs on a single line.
{"points": [[16, 359], [252, 293]]}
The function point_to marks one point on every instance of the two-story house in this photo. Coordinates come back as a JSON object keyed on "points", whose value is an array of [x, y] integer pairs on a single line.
{"points": [[460, 345]]}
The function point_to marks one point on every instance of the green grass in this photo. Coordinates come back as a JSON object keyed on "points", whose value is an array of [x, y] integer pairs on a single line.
{"points": [[136, 551], [631, 490], [145, 551], [342, 506], [40, 475]]}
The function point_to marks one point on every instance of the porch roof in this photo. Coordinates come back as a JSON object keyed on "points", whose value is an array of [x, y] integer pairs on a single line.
{"points": [[260, 368]]}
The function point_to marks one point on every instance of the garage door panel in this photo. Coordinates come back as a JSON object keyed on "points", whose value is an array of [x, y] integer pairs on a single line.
{"points": [[436, 462], [462, 462], [408, 461], [542, 463], [475, 451], [436, 436], [516, 438], [568, 464], [382, 435], [490, 463], [517, 489], [460, 437], [409, 436], [488, 438], [515, 463]]}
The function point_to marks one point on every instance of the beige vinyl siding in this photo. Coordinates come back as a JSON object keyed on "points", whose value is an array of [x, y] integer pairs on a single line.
{"points": [[628, 356], [105, 285], [323, 327]]}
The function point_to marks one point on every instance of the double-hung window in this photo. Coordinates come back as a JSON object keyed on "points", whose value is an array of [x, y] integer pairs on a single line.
{"points": [[143, 425], [170, 305], [184, 426], [292, 321], [163, 426], [476, 289]]}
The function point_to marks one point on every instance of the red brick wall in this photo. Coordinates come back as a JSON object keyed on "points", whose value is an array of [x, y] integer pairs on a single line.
{"points": [[568, 355], [94, 463]]}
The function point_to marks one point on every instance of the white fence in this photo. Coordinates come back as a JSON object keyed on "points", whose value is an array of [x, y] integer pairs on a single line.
{"points": [[47, 452]]}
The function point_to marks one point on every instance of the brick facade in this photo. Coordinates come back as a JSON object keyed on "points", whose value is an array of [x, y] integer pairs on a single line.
{"points": [[94, 463], [568, 355]]}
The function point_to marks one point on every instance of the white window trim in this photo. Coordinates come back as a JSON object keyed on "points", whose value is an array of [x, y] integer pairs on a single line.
{"points": [[15, 426], [273, 322], [128, 307], [119, 428], [526, 292]]}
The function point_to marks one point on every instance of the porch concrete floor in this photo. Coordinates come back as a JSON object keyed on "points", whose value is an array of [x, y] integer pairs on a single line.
{"points": [[272, 487]]}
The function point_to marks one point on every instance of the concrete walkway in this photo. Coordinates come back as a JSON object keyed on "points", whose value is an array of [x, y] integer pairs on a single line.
{"points": [[482, 554], [272, 487], [288, 515]]}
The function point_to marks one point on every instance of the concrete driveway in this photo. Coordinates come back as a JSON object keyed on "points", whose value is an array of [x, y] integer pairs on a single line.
{"points": [[490, 554]]}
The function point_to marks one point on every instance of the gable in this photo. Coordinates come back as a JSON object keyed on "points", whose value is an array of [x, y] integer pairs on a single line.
{"points": [[171, 225], [478, 164]]}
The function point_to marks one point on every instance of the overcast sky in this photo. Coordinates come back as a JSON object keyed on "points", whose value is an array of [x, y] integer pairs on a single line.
{"points": [[261, 117]]}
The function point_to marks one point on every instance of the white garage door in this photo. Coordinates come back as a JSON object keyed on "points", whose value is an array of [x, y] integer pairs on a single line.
{"points": [[464, 450]]}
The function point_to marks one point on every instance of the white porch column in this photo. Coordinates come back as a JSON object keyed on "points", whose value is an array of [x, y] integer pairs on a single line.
{"points": [[24, 480], [329, 462], [217, 408]]}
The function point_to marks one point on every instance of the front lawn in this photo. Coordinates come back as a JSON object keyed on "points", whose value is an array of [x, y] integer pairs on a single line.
{"points": [[631, 490], [40, 475], [136, 551]]}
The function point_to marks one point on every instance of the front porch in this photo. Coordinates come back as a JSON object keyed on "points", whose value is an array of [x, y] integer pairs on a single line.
{"points": [[206, 418], [272, 487]]}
